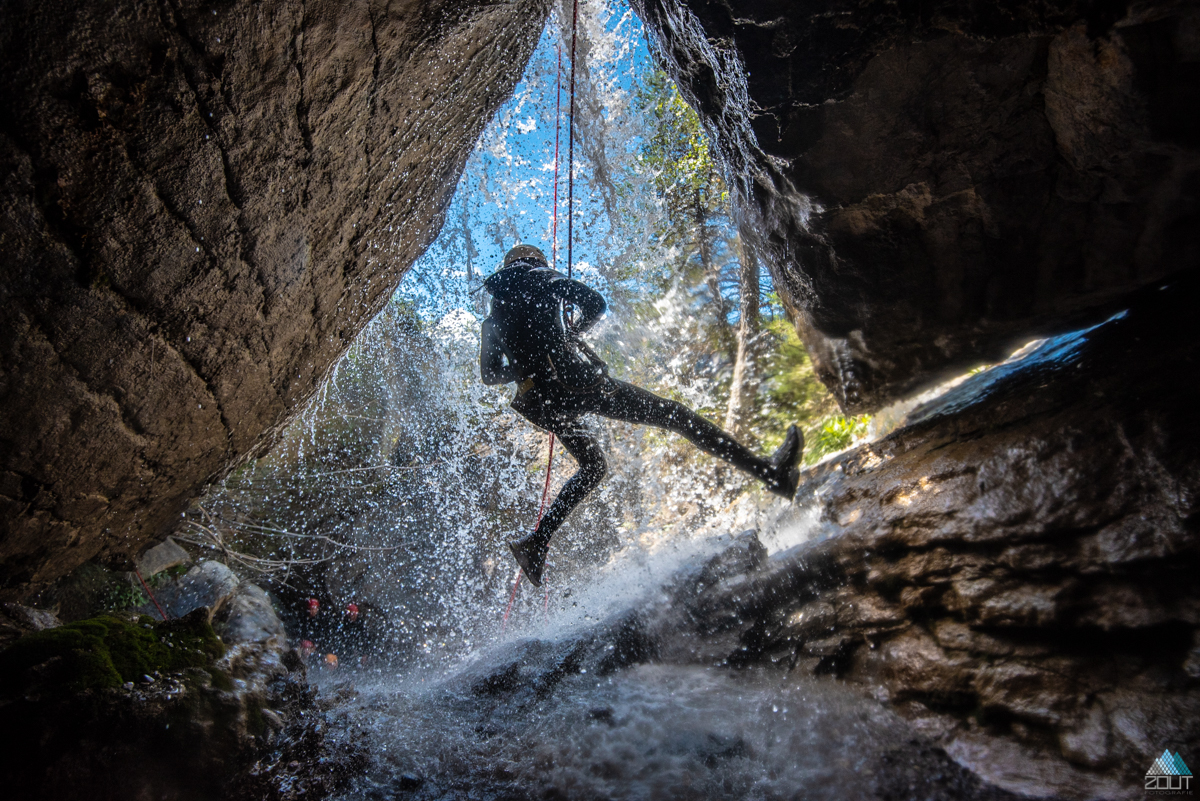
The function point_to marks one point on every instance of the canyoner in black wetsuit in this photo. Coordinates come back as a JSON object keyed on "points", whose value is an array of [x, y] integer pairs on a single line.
{"points": [[529, 339]]}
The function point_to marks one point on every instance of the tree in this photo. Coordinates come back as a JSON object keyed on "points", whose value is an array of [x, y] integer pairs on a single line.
{"points": [[696, 202], [743, 387], [695, 198]]}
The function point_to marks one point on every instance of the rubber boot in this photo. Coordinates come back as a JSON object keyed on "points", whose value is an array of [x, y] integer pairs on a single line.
{"points": [[785, 462], [530, 553]]}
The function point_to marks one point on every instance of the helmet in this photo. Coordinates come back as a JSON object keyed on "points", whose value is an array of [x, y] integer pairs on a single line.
{"points": [[523, 252]]}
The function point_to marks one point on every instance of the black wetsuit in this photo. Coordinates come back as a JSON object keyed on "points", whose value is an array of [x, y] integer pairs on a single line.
{"points": [[527, 338]]}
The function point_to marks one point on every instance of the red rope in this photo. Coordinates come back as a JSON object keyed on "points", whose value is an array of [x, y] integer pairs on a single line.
{"points": [[146, 587], [554, 256], [511, 597]]}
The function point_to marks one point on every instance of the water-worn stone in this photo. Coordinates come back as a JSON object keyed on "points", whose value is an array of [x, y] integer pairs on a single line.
{"points": [[193, 719], [165, 555], [209, 584], [1089, 741], [933, 186], [200, 206], [249, 617], [1191, 665], [17, 620]]}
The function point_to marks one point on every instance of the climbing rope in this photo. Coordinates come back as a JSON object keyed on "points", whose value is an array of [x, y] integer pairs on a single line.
{"points": [[554, 259], [571, 144], [557, 119]]}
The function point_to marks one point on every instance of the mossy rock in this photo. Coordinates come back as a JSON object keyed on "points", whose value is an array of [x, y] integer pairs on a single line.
{"points": [[105, 651]]}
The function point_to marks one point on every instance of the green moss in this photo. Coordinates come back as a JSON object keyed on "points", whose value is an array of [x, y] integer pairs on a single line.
{"points": [[104, 651], [256, 724], [220, 679]]}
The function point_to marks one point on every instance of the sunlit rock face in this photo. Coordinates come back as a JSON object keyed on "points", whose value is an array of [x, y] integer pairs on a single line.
{"points": [[201, 205], [936, 183], [1016, 568]]}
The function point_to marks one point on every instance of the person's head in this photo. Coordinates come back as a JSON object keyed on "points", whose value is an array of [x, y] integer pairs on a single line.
{"points": [[528, 254]]}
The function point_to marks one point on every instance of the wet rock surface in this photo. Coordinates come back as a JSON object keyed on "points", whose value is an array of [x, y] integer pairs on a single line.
{"points": [[113, 708], [641, 704], [165, 555], [201, 206], [935, 184], [1016, 568], [17, 620], [209, 584]]}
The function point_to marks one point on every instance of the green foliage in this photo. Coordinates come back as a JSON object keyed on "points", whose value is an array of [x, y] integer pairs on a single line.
{"points": [[697, 230], [124, 596], [833, 434], [167, 576], [693, 231], [792, 392], [681, 165], [104, 651]]}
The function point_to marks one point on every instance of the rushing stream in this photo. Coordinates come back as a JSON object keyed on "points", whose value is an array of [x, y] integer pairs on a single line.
{"points": [[652, 731], [569, 705]]}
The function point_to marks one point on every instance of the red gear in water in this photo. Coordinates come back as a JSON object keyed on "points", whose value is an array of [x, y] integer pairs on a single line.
{"points": [[352, 612], [314, 606], [307, 648]]}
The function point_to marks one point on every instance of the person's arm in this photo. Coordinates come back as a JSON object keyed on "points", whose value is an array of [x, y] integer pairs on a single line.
{"points": [[493, 366], [590, 303]]}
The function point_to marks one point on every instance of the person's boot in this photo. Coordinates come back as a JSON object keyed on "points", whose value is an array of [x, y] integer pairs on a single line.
{"points": [[788, 454], [785, 463], [530, 553]]}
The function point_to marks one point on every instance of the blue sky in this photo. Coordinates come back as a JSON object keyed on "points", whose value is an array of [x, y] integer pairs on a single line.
{"points": [[505, 194]]}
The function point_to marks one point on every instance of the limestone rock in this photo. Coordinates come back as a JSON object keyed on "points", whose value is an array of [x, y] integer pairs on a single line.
{"points": [[200, 206], [1088, 742], [249, 617], [1191, 665], [30, 618], [932, 187], [213, 729], [166, 554], [17, 620], [979, 582], [209, 584]]}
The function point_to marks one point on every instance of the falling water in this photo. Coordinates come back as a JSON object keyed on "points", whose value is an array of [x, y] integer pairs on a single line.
{"points": [[397, 487]]}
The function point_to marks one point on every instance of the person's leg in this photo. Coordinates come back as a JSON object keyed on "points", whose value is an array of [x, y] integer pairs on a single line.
{"points": [[582, 445], [636, 405], [530, 550]]}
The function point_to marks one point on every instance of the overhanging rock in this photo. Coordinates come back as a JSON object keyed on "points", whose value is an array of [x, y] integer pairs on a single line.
{"points": [[935, 184], [200, 206]]}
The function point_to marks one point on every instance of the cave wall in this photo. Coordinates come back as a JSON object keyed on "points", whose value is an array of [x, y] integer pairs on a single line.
{"points": [[202, 204], [934, 184]]}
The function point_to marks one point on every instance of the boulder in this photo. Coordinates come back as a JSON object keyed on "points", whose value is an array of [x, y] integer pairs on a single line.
{"points": [[1014, 567], [932, 186], [17, 620], [209, 584], [249, 617], [114, 708], [165, 555], [200, 206]]}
